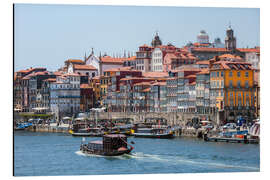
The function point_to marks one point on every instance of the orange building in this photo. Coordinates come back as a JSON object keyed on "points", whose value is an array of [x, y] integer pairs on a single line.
{"points": [[232, 88]]}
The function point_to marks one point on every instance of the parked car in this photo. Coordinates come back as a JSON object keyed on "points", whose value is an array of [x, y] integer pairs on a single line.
{"points": [[229, 126]]}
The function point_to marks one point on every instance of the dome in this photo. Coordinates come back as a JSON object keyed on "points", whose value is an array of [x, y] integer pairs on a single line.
{"points": [[203, 37], [156, 41], [202, 32], [217, 40]]}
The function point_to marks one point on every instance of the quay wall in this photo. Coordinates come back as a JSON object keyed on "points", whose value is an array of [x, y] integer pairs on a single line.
{"points": [[53, 129], [173, 118]]}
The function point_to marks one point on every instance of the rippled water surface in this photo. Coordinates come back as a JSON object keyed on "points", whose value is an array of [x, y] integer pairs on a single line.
{"points": [[45, 154]]}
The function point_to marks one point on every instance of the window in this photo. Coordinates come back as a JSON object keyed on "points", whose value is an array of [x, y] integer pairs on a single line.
{"points": [[239, 99], [238, 74], [230, 73], [217, 74], [231, 99], [238, 84], [222, 84], [246, 84], [221, 73], [246, 74], [230, 84], [247, 99]]}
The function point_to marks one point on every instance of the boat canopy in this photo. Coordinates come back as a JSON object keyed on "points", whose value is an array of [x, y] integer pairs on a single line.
{"points": [[96, 142]]}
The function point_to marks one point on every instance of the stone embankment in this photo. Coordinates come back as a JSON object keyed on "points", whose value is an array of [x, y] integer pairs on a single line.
{"points": [[47, 128]]}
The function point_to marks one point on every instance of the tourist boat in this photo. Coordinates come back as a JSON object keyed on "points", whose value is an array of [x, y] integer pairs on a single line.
{"points": [[81, 127], [162, 133], [111, 145], [95, 132]]}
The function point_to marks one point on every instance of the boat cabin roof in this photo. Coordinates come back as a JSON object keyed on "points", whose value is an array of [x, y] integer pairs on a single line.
{"points": [[96, 142]]}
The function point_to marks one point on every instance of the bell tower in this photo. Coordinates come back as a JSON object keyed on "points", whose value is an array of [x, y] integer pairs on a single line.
{"points": [[156, 41], [230, 40]]}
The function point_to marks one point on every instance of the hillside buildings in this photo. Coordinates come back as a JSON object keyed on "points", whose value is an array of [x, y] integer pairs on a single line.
{"points": [[200, 78]]}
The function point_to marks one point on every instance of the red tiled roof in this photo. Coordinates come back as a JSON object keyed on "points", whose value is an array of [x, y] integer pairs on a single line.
{"points": [[200, 44], [75, 61], [230, 56], [85, 86], [57, 73], [109, 59], [128, 68], [31, 69], [159, 83], [155, 74], [193, 83], [203, 62], [204, 71], [50, 79], [145, 45], [132, 58], [171, 78], [210, 49], [249, 49], [189, 69], [144, 83], [191, 76], [146, 90], [84, 67], [70, 74], [233, 65]]}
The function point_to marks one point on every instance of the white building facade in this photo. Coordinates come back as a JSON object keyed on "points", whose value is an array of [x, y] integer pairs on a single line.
{"points": [[157, 60], [65, 95]]}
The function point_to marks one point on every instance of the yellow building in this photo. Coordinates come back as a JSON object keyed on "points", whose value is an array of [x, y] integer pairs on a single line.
{"points": [[232, 88]]}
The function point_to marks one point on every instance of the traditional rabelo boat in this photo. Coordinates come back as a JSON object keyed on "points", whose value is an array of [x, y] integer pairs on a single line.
{"points": [[111, 145]]}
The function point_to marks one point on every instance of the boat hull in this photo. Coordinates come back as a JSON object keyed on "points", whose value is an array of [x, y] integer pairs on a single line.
{"points": [[85, 150]]}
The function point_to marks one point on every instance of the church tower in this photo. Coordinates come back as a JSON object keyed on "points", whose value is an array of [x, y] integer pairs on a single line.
{"points": [[230, 40], [156, 41]]}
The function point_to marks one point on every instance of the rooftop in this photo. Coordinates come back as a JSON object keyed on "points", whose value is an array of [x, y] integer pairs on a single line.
{"points": [[84, 67], [155, 74], [75, 61]]}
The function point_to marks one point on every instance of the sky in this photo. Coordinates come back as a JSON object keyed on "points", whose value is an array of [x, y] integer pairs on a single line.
{"points": [[47, 35]]}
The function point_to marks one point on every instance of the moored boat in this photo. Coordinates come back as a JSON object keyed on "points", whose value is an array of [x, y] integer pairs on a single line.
{"points": [[96, 132], [161, 133], [22, 126], [111, 145]]}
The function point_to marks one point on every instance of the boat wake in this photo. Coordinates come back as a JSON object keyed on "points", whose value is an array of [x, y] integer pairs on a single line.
{"points": [[171, 160], [80, 153], [181, 160]]}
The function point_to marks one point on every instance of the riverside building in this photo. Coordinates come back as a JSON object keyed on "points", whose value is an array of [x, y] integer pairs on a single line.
{"points": [[65, 95]]}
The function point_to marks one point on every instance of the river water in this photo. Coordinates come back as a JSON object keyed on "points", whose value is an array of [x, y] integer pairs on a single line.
{"points": [[50, 154]]}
